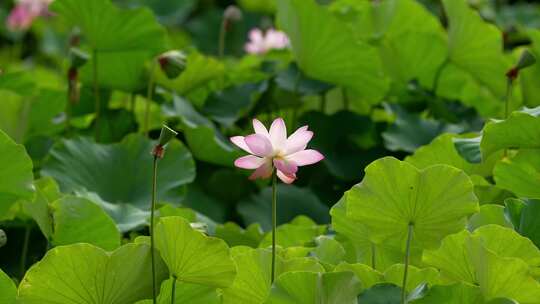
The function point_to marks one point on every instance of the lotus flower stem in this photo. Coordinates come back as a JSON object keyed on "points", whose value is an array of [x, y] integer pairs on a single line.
{"points": [[97, 102], [149, 96], [153, 207], [406, 270], [173, 289], [274, 216], [222, 36], [373, 252]]}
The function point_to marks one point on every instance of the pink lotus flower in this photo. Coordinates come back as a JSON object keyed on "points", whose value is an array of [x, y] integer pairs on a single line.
{"points": [[272, 149], [24, 13], [260, 43]]}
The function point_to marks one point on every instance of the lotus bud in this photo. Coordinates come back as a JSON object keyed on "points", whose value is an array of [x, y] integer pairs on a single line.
{"points": [[232, 13], [526, 60], [164, 138], [172, 63], [78, 57]]}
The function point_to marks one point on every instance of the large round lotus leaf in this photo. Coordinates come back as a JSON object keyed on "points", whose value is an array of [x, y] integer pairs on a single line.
{"points": [[78, 220], [16, 175], [367, 275], [520, 130], [120, 174], [291, 202], [8, 291], [83, 273], [384, 293], [355, 233], [186, 293], [315, 288], [191, 256], [462, 293], [416, 276], [47, 191], [252, 283], [299, 232], [331, 53], [234, 235], [476, 70], [394, 194], [520, 174], [485, 259], [525, 216], [122, 39], [442, 151], [489, 214]]}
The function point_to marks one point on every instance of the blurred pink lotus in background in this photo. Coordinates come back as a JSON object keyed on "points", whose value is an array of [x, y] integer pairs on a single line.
{"points": [[24, 13], [272, 148], [261, 43]]}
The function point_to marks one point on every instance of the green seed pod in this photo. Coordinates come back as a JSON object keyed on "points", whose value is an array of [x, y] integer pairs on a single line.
{"points": [[172, 63], [525, 60], [3, 238], [78, 57], [166, 135]]}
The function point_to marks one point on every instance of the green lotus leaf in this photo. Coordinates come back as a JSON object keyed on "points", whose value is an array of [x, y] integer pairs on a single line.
{"points": [[186, 293], [299, 232], [395, 195], [416, 276], [449, 294], [204, 140], [83, 273], [476, 67], [502, 277], [525, 218], [292, 201], [484, 258], [384, 293], [8, 290], [252, 283], [521, 130], [356, 234], [16, 176], [328, 250], [47, 191], [191, 256], [197, 79], [315, 288], [330, 53], [365, 274], [487, 193], [234, 235], [410, 131], [489, 214], [78, 220], [442, 151], [122, 40], [529, 89], [120, 174], [519, 174]]}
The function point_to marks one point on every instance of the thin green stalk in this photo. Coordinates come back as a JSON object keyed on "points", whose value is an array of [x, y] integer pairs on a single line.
{"points": [[222, 36], [173, 290], [149, 96], [274, 221], [24, 252], [509, 85], [407, 255], [97, 102], [153, 207], [323, 102], [437, 77], [373, 252]]}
